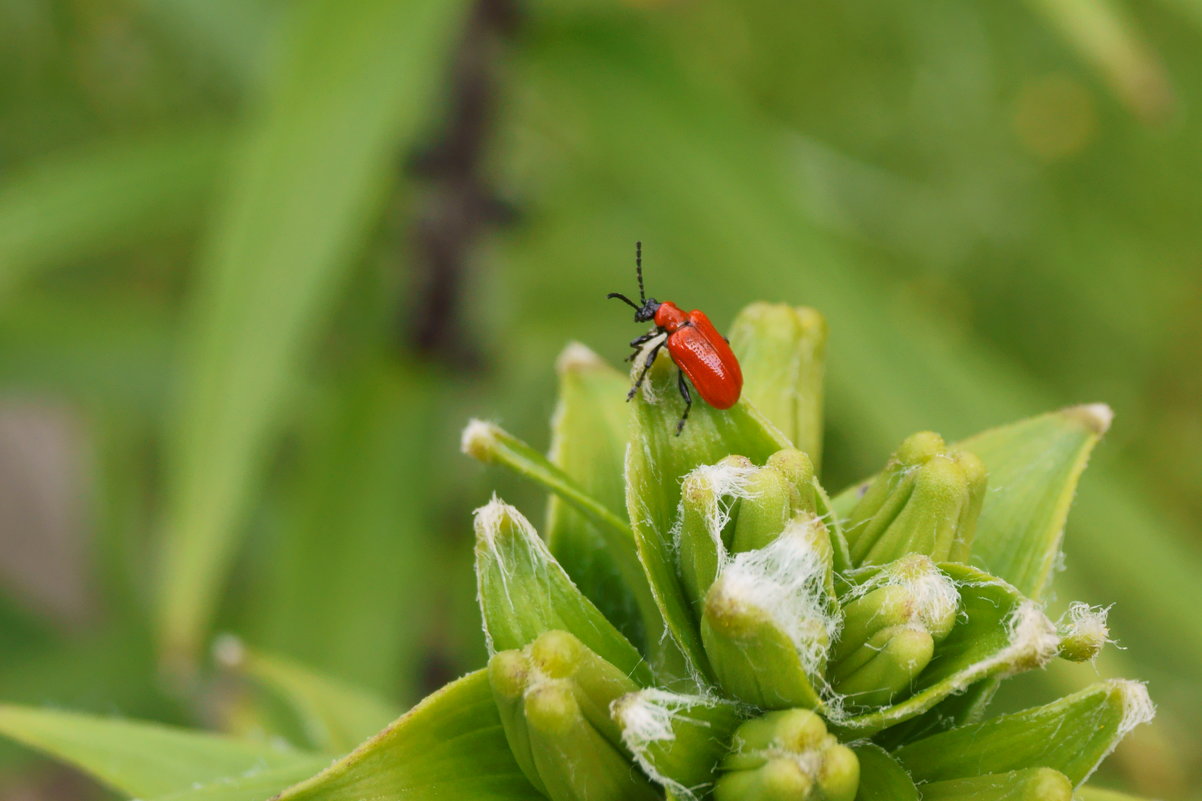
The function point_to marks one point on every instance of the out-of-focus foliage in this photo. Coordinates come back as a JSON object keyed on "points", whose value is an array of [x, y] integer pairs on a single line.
{"points": [[212, 417]]}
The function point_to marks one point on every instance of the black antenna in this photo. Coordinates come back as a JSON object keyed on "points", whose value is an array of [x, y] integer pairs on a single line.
{"points": [[638, 268]]}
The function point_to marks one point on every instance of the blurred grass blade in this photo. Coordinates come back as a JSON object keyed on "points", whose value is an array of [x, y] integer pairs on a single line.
{"points": [[588, 443], [350, 91], [140, 759], [882, 778], [1072, 735], [335, 716], [524, 592], [252, 787], [1106, 37], [87, 202], [451, 746], [355, 526]]}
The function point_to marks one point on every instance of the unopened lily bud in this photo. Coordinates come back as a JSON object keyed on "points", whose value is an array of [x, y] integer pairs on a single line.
{"points": [[597, 683], [509, 674], [768, 620], [788, 756], [574, 762], [1032, 784], [782, 350], [882, 668], [769, 504], [709, 497], [798, 468], [678, 740], [926, 501], [1085, 633], [889, 633], [552, 694]]}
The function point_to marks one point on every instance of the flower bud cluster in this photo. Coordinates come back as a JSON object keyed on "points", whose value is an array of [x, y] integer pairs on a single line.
{"points": [[926, 501], [787, 756], [554, 697], [890, 630]]}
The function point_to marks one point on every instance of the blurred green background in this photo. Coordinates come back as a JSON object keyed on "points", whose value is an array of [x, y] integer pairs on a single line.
{"points": [[260, 261]]}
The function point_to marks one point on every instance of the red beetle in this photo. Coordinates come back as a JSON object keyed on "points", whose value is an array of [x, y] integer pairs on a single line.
{"points": [[694, 344]]}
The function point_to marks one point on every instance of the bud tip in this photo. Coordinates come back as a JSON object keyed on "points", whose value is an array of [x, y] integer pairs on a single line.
{"points": [[478, 440], [577, 356]]}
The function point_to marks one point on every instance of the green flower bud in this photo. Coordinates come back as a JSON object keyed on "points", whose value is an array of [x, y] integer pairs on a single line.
{"points": [[573, 760], [926, 501], [799, 470], [890, 630], [708, 502], [1084, 634], [509, 673], [1032, 784], [782, 350], [677, 740], [769, 504], [768, 622], [882, 668], [560, 655], [787, 756], [554, 698]]}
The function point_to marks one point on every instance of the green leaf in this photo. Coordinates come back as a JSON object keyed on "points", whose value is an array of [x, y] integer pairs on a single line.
{"points": [[588, 443], [88, 202], [997, 632], [524, 592], [141, 759], [304, 189], [355, 527], [335, 716], [1072, 735], [252, 787], [1033, 467], [782, 350], [450, 746], [1098, 794], [882, 778], [656, 462]]}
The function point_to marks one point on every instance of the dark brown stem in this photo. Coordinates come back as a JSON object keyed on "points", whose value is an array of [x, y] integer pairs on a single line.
{"points": [[457, 203]]}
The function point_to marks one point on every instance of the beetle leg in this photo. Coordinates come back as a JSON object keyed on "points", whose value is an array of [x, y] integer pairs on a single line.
{"points": [[688, 400], [646, 366], [638, 342]]}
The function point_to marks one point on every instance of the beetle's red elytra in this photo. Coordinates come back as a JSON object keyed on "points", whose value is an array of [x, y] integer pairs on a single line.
{"points": [[700, 353]]}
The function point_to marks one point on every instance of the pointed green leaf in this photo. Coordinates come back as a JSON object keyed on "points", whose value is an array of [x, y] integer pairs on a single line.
{"points": [[488, 442], [1034, 466], [882, 778], [1072, 735], [656, 462], [782, 350], [997, 632], [137, 758], [588, 443], [305, 187], [524, 592], [335, 716], [450, 746]]}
